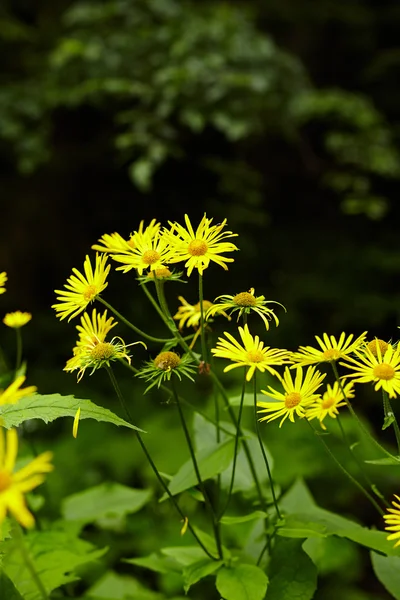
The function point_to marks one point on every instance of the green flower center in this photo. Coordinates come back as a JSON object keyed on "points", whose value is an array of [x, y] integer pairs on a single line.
{"points": [[197, 248], [244, 299], [102, 351], [163, 273], [331, 354], [384, 371], [5, 480], [167, 361], [292, 400], [255, 356], [90, 293], [150, 257]]}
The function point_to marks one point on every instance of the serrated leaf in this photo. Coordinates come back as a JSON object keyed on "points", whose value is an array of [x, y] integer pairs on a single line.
{"points": [[242, 582], [198, 570], [387, 570], [8, 591], [105, 500], [53, 406], [257, 514], [292, 572], [211, 462]]}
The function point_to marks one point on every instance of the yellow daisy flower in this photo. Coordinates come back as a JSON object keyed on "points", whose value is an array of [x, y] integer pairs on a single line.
{"points": [[251, 354], [113, 243], [189, 315], [244, 303], [331, 400], [17, 319], [199, 247], [297, 395], [382, 369], [330, 349], [3, 279], [82, 289], [13, 393], [13, 486], [393, 521]]}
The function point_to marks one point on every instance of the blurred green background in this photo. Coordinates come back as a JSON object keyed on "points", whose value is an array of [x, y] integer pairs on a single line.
{"points": [[282, 116]]}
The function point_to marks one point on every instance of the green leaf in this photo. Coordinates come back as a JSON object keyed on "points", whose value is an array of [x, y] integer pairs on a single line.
{"points": [[211, 462], [198, 570], [248, 399], [102, 501], [242, 582], [295, 528], [292, 572], [395, 460], [55, 554], [376, 540], [387, 570], [8, 591], [53, 406], [388, 420], [257, 514], [113, 586], [184, 555], [155, 562]]}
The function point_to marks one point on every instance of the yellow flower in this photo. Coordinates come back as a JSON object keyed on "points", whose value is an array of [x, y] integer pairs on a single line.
{"points": [[189, 315], [199, 247], [330, 350], [382, 369], [244, 303], [251, 354], [331, 400], [113, 243], [17, 319], [82, 289], [3, 279], [13, 486], [393, 521], [13, 394], [297, 395]]}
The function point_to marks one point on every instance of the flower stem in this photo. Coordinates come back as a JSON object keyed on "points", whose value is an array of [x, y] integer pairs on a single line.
{"points": [[131, 325], [345, 471], [263, 449], [153, 302], [355, 416], [388, 411], [18, 358], [198, 475], [152, 464], [29, 562], [202, 323], [235, 452]]}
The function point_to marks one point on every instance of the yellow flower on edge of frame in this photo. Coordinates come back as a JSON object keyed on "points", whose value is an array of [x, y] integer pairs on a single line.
{"points": [[330, 349], [13, 486], [198, 248], [251, 354], [3, 279], [17, 319], [13, 393], [244, 303], [392, 519], [328, 404], [82, 289], [298, 394], [383, 369], [189, 315]]}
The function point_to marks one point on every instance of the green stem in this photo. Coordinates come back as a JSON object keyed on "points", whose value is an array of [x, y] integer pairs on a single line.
{"points": [[202, 323], [388, 411], [153, 302], [235, 451], [345, 471], [152, 464], [18, 358], [198, 475], [266, 461], [131, 325], [29, 562], [354, 414]]}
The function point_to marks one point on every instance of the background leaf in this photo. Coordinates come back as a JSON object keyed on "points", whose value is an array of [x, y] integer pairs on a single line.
{"points": [[292, 572], [387, 570], [242, 582]]}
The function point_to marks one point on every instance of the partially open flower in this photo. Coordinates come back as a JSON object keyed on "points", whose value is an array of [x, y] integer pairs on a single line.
{"points": [[164, 366]]}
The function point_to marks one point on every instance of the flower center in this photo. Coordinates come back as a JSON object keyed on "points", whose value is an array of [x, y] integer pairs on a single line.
{"points": [[384, 371], [167, 361], [150, 257], [102, 351], [292, 400], [244, 299], [327, 403], [163, 273], [255, 356], [131, 243], [5, 481], [373, 346], [331, 354], [197, 248], [206, 305], [90, 293]]}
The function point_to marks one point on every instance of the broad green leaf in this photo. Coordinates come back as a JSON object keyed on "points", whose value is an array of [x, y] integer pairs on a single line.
{"points": [[55, 553], [53, 406], [242, 582], [102, 501], [5, 529], [155, 562], [257, 514], [198, 570], [376, 540], [8, 591], [334, 555], [292, 572], [211, 462], [387, 570], [113, 586], [184, 555], [294, 528]]}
